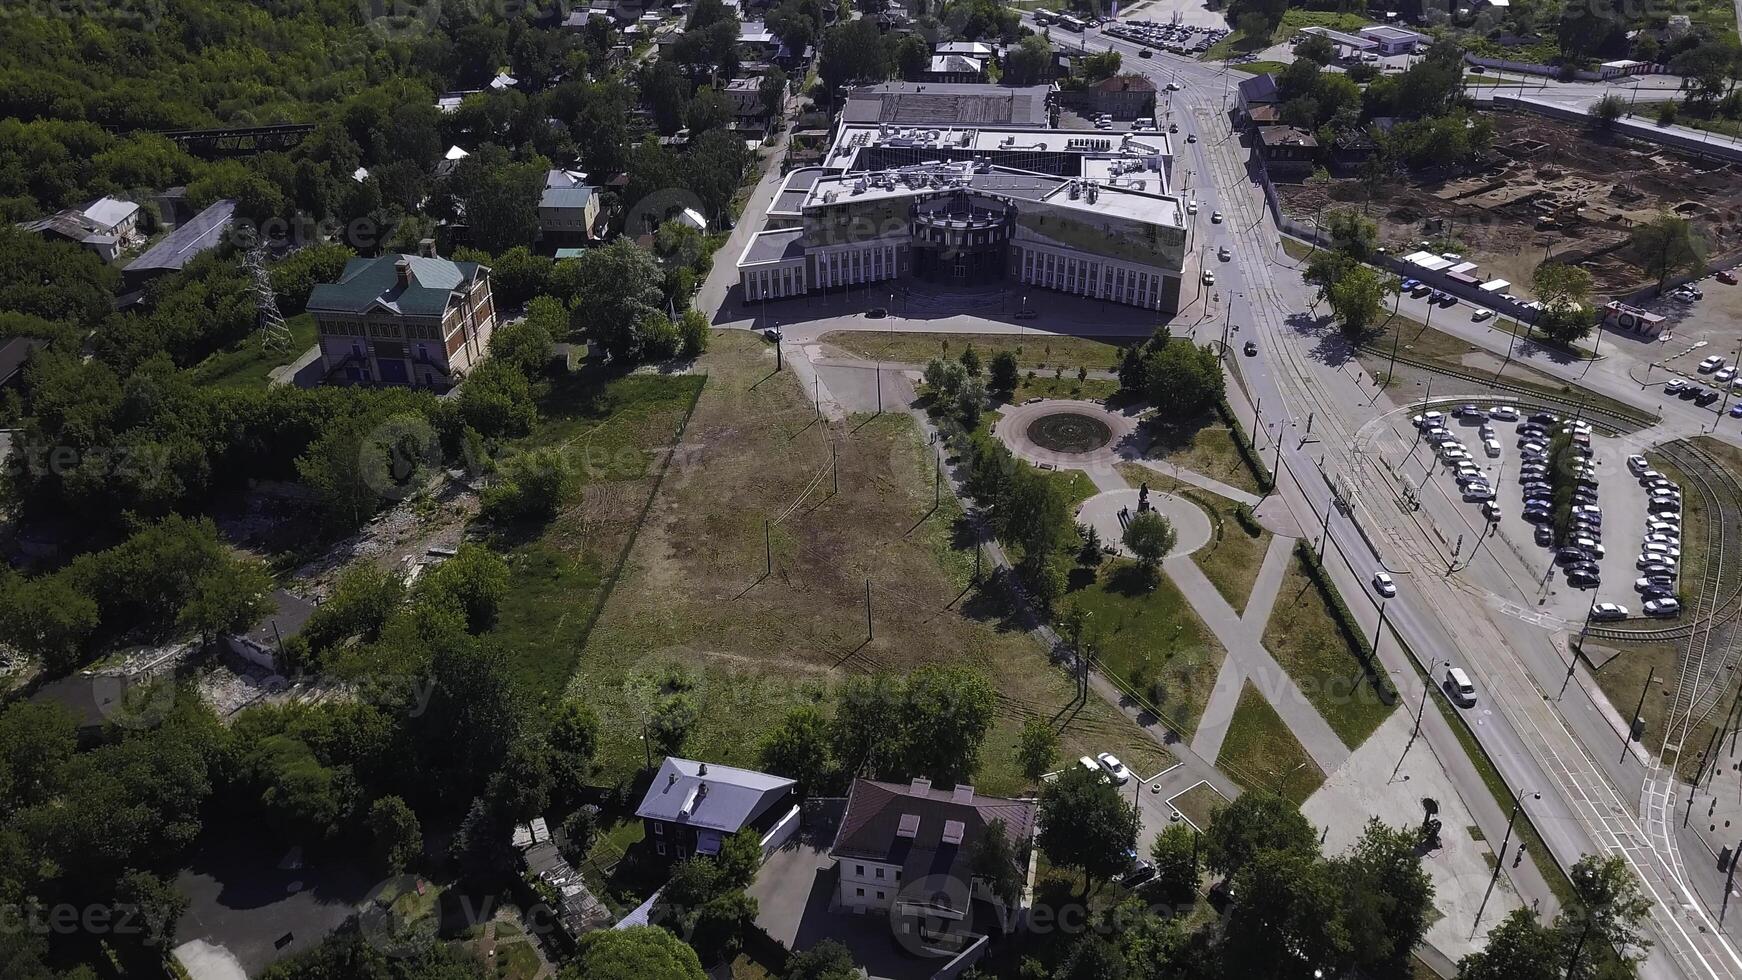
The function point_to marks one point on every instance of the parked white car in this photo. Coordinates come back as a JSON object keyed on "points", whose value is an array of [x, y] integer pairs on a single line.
{"points": [[1114, 767]]}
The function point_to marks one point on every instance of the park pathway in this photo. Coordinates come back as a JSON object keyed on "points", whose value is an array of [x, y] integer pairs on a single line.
{"points": [[1243, 642], [1225, 696]]}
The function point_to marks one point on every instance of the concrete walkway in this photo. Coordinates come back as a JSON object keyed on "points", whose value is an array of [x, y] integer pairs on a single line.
{"points": [[1194, 478], [1242, 641], [1219, 711], [1270, 575]]}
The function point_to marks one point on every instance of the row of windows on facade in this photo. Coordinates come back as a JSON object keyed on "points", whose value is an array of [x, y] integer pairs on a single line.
{"points": [[390, 330], [1078, 275]]}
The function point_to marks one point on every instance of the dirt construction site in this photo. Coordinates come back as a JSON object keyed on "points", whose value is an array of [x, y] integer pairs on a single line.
{"points": [[1548, 188]]}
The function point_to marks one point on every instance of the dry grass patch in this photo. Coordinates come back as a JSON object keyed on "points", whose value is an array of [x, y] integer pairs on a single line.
{"points": [[695, 604]]}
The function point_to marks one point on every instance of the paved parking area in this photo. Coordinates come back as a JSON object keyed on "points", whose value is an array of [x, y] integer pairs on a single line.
{"points": [[1621, 497]]}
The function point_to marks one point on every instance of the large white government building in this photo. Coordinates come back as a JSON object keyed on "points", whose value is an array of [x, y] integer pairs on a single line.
{"points": [[972, 185]]}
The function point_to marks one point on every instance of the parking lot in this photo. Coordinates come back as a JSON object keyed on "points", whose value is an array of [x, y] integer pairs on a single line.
{"points": [[1466, 456], [1184, 39]]}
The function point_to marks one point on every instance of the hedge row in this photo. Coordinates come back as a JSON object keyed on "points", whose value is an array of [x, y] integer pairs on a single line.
{"points": [[1260, 472], [1356, 636]]}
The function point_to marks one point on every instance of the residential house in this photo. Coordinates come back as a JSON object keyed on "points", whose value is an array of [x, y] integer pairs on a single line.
{"points": [[1259, 90], [201, 233], [756, 43], [955, 68], [568, 209], [263, 645], [967, 49], [1287, 146], [691, 807], [404, 319], [750, 116], [14, 352], [905, 849], [103, 226]]}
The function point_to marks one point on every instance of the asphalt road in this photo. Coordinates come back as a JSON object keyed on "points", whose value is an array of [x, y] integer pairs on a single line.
{"points": [[1571, 795]]}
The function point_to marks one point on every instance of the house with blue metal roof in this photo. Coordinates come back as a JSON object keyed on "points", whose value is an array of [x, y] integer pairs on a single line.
{"points": [[404, 319]]}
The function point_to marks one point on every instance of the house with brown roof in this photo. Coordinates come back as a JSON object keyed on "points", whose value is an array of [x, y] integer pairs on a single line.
{"points": [[906, 849]]}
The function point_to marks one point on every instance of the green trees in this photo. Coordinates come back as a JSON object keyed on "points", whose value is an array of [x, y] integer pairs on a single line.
{"points": [[852, 53], [798, 748], [1253, 823], [827, 960], [636, 953], [1665, 246], [1356, 293], [1519, 948], [1150, 537], [1387, 898], [295, 277], [1181, 380], [1317, 49], [1607, 916], [692, 333], [931, 724], [1029, 63], [1565, 294], [995, 860], [1175, 856], [500, 197], [910, 55], [615, 287], [529, 486], [1607, 109], [471, 583], [397, 836], [174, 574], [1003, 376], [1084, 824], [1037, 748], [1352, 233], [54, 280], [705, 900]]}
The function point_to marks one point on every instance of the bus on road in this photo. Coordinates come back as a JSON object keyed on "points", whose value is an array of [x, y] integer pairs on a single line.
{"points": [[1070, 23]]}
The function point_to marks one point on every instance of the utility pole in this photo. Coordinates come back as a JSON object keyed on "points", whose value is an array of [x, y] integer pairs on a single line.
{"points": [[869, 635], [1380, 629], [1729, 881], [1627, 736], [879, 387], [1499, 859], [767, 549], [1325, 528], [834, 467], [937, 484]]}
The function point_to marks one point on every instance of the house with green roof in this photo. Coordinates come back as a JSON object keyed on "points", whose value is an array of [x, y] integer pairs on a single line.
{"points": [[404, 319]]}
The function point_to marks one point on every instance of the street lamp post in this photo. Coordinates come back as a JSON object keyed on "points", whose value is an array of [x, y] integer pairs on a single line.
{"points": [[1499, 859]]}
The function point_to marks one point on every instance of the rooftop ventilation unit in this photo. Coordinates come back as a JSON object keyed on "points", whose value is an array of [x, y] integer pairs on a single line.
{"points": [[908, 827], [953, 831]]}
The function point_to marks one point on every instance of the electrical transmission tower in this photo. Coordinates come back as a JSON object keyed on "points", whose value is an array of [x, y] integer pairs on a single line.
{"points": [[274, 335]]}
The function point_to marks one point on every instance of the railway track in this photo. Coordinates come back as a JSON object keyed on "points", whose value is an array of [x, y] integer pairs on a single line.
{"points": [[1703, 671]]}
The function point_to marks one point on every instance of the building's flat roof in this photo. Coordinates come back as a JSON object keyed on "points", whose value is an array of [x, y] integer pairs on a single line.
{"points": [[1140, 197], [1347, 40], [773, 246], [947, 103], [793, 191], [1391, 33]]}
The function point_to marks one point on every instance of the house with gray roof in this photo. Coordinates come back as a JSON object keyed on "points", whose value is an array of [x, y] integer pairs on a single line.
{"points": [[201, 233], [404, 319], [692, 807], [568, 209], [906, 850], [103, 226]]}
